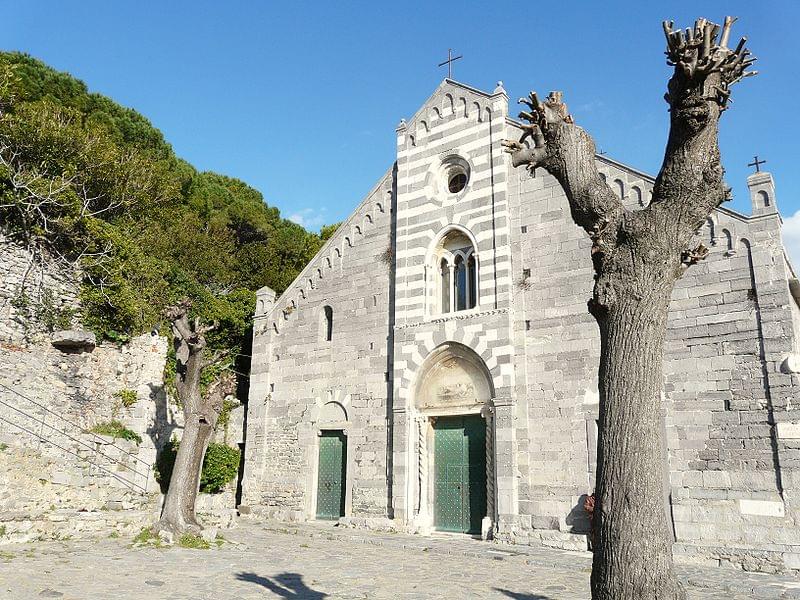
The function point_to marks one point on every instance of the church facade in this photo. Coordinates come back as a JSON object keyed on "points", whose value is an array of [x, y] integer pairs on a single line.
{"points": [[434, 367]]}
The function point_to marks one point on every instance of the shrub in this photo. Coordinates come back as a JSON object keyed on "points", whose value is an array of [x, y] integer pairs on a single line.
{"points": [[146, 537], [220, 466], [116, 429], [126, 397]]}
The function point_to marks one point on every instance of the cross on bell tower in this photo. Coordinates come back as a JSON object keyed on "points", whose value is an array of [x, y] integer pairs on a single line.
{"points": [[756, 163], [449, 62]]}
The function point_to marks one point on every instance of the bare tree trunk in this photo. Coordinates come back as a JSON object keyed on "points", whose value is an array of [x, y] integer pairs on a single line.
{"points": [[200, 412], [178, 514], [637, 257], [632, 554]]}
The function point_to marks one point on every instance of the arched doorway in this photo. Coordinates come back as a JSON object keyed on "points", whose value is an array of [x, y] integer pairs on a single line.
{"points": [[454, 450]]}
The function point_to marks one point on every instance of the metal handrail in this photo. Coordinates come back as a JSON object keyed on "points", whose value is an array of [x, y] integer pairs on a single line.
{"points": [[60, 417], [101, 467], [74, 439]]}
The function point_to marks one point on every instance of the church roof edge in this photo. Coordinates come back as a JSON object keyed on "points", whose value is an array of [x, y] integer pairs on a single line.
{"points": [[309, 267], [619, 164], [447, 81]]}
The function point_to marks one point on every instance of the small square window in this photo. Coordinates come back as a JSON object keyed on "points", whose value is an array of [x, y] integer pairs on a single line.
{"points": [[271, 387], [524, 229], [527, 325], [526, 273]]}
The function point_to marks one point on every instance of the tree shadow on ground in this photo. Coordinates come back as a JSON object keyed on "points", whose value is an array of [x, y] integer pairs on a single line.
{"points": [[285, 585], [521, 595]]}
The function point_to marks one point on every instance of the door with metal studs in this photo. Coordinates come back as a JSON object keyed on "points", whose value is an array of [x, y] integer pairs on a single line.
{"points": [[459, 473], [331, 478]]}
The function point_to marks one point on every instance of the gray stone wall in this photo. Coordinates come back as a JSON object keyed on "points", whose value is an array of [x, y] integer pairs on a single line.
{"points": [[35, 292], [302, 383], [59, 479], [731, 327]]}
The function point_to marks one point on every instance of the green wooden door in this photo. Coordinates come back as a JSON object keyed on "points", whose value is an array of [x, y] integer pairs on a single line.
{"points": [[330, 483], [460, 473]]}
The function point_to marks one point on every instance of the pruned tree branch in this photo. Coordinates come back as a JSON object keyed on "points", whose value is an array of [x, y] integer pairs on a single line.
{"points": [[567, 152], [690, 181]]}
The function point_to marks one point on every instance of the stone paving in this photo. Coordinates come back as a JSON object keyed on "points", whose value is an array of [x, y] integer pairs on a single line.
{"points": [[316, 561]]}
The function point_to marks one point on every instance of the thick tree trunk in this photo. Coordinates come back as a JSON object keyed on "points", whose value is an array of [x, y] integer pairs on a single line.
{"points": [[178, 514], [637, 256], [200, 412], [632, 555]]}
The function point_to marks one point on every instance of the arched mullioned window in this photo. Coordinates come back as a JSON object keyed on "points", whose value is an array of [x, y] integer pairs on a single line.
{"points": [[457, 273]]}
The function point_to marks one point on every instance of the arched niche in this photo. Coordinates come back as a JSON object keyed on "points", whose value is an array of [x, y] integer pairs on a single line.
{"points": [[332, 412], [453, 379]]}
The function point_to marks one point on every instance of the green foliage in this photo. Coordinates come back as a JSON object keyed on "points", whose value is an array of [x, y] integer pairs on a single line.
{"points": [[127, 398], [189, 540], [145, 226], [3, 447], [220, 466], [147, 537], [225, 414], [116, 429], [327, 231]]}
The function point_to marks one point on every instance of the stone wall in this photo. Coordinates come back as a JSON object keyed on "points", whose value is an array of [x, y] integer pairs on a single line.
{"points": [[58, 478], [36, 293], [302, 383], [731, 328]]}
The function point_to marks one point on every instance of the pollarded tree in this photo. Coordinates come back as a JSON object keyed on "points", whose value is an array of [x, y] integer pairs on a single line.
{"points": [[637, 257], [201, 410]]}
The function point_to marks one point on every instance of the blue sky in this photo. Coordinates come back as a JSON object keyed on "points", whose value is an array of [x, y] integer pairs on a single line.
{"points": [[300, 99]]}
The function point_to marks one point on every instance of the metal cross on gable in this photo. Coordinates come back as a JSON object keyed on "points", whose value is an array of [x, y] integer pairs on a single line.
{"points": [[449, 62], [756, 163]]}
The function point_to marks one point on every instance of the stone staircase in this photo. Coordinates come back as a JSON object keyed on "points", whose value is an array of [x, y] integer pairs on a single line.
{"points": [[58, 481], [43, 496]]}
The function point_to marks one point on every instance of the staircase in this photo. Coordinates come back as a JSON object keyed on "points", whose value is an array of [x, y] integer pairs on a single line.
{"points": [[59, 481]]}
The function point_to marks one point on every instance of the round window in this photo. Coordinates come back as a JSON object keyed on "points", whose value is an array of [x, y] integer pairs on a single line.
{"points": [[457, 183], [455, 174]]}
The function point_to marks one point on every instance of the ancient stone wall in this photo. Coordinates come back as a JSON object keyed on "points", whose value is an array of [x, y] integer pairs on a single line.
{"points": [[37, 295], [57, 477], [302, 382], [731, 329]]}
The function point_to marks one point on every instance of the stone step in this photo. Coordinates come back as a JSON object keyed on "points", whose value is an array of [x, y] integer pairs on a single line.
{"points": [[62, 524]]}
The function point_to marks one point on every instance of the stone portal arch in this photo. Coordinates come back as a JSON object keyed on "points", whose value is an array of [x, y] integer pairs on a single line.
{"points": [[453, 379], [453, 393]]}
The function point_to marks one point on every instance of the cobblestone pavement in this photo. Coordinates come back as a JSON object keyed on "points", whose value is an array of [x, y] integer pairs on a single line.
{"points": [[316, 561]]}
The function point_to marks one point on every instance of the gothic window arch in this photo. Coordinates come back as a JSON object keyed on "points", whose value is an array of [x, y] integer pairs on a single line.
{"points": [[456, 273]]}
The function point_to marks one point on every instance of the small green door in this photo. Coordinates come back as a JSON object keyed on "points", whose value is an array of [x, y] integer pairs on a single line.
{"points": [[330, 483], [460, 473]]}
